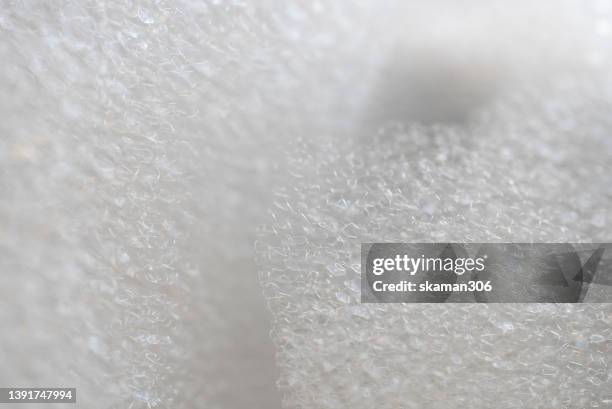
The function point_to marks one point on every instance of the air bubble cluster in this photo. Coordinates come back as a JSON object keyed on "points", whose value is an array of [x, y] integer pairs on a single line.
{"points": [[534, 166]]}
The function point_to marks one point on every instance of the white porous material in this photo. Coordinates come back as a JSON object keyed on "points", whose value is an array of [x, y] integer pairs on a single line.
{"points": [[524, 174], [529, 163], [141, 141], [139, 144]]}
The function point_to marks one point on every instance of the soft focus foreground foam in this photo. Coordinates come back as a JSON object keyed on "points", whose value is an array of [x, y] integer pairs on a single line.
{"points": [[138, 145], [533, 166]]}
